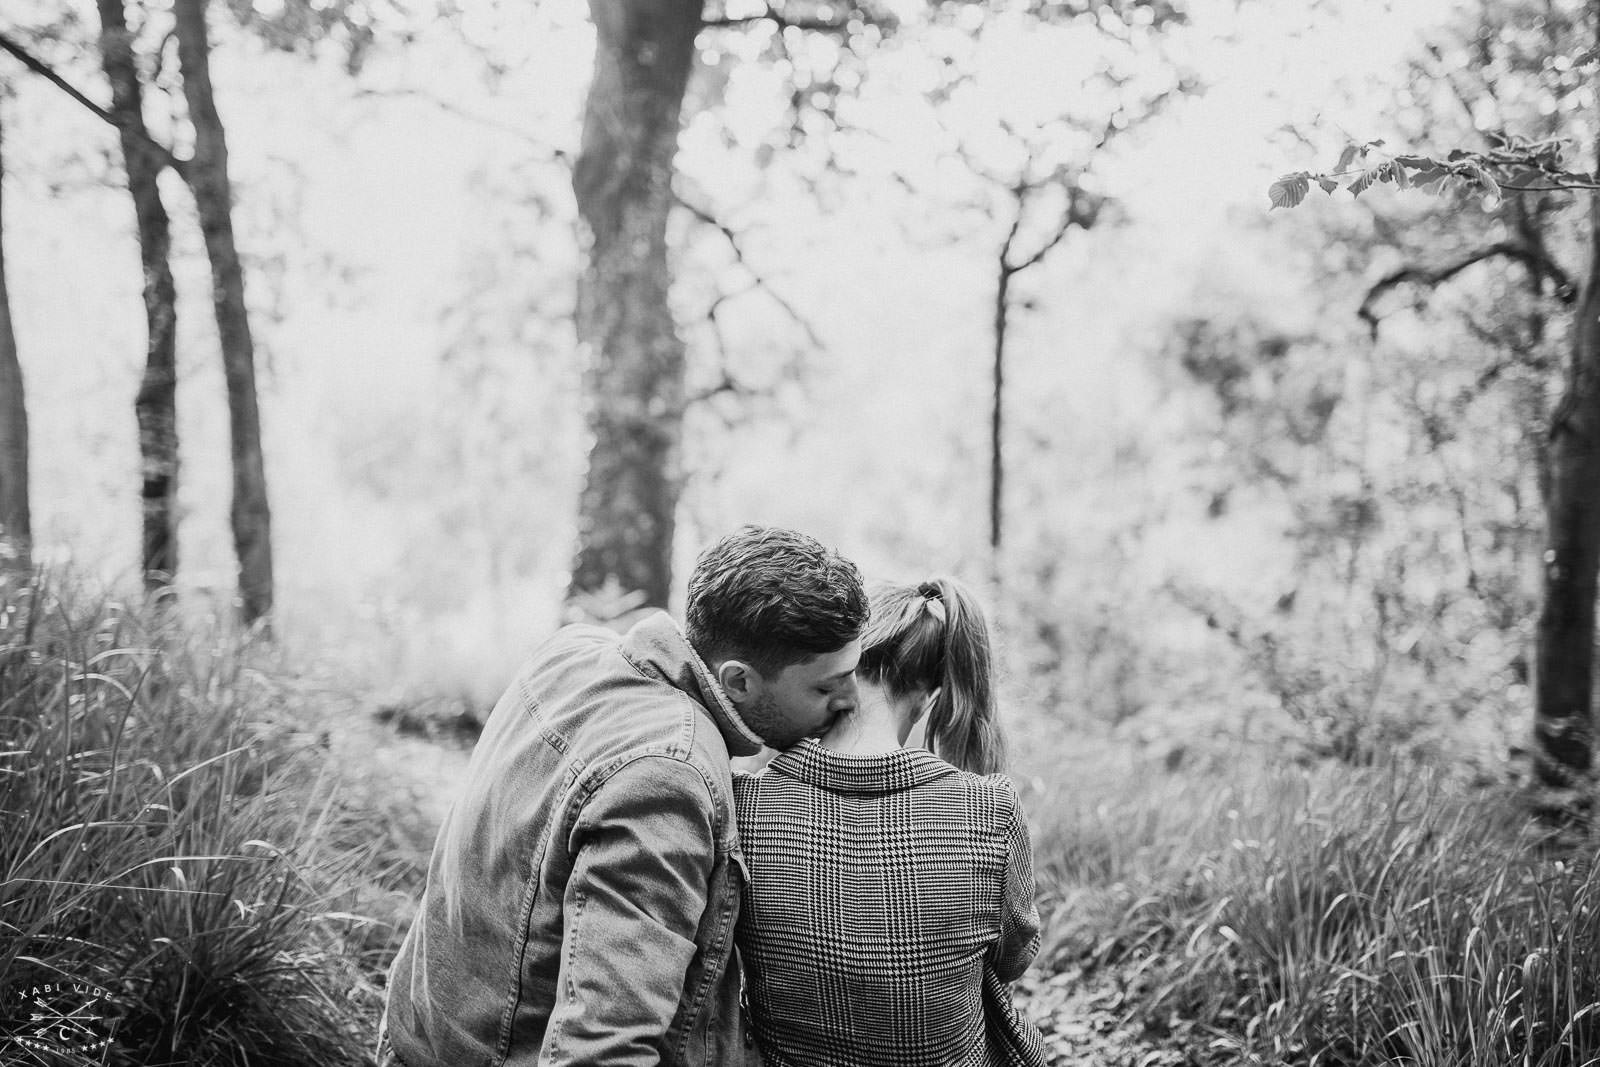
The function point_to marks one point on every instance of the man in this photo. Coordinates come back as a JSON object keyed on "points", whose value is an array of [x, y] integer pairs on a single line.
{"points": [[582, 894]]}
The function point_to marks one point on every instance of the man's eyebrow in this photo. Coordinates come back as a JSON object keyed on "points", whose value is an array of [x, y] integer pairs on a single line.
{"points": [[841, 676]]}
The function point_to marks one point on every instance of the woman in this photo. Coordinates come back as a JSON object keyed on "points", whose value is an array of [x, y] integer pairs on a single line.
{"points": [[890, 894]]}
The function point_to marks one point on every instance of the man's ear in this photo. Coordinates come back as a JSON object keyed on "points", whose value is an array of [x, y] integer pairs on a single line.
{"points": [[739, 680]]}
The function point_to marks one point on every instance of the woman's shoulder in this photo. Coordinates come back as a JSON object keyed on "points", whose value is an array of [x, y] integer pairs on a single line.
{"points": [[998, 783], [994, 794]]}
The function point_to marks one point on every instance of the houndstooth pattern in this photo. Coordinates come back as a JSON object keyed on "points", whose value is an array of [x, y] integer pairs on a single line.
{"points": [[878, 886]]}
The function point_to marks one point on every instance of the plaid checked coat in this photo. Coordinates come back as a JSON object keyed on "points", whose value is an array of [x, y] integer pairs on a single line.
{"points": [[878, 888]]}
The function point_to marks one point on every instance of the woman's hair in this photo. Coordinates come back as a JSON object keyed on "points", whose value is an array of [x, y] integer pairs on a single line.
{"points": [[933, 636]]}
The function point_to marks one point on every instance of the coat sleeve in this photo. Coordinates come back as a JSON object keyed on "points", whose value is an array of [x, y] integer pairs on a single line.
{"points": [[644, 847], [1019, 914]]}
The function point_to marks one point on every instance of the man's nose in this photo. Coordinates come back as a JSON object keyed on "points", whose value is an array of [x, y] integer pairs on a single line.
{"points": [[844, 700]]}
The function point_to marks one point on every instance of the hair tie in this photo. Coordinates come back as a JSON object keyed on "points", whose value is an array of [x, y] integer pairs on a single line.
{"points": [[932, 600]]}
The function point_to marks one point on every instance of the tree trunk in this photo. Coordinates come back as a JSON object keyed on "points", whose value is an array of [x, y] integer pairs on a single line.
{"points": [[207, 175], [16, 521], [997, 466], [156, 404], [1565, 677], [644, 51]]}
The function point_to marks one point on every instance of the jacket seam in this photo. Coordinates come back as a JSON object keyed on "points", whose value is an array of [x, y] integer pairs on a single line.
{"points": [[525, 906], [617, 766]]}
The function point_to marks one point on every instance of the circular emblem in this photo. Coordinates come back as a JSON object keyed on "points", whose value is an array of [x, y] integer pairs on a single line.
{"points": [[59, 1017]]}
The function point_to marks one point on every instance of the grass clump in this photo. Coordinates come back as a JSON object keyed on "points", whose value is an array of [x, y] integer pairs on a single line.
{"points": [[1332, 917], [173, 852]]}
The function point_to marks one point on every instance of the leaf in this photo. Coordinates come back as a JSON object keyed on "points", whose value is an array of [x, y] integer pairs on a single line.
{"points": [[1518, 177], [1329, 186], [1586, 57], [1485, 180], [1432, 172], [1348, 156], [1363, 183], [1289, 190], [1435, 184]]}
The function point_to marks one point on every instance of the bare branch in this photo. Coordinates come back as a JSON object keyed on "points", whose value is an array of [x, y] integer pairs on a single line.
{"points": [[1078, 213], [43, 69], [725, 386], [1006, 267], [1532, 260], [780, 20], [557, 155], [757, 278]]}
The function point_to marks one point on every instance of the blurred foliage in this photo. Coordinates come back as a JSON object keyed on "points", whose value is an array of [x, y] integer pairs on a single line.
{"points": [[1395, 423]]}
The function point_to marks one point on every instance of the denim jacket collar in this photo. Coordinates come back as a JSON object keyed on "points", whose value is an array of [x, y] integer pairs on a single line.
{"points": [[889, 772], [656, 646]]}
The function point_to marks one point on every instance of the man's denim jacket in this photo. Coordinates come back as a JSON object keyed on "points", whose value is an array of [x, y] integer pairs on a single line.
{"points": [[583, 890]]}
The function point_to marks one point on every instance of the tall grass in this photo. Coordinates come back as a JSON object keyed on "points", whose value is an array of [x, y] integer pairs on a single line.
{"points": [[1333, 917], [169, 833]]}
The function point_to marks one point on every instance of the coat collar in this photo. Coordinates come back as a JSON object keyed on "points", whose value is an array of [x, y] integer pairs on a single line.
{"points": [[890, 772], [658, 647]]}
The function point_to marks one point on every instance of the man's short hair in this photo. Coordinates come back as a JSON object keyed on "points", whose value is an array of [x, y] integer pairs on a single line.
{"points": [[772, 597]]}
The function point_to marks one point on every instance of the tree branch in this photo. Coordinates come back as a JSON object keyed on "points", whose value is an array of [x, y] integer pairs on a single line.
{"points": [[760, 281], [557, 155], [780, 20], [1533, 261], [1006, 267], [43, 69], [1077, 214]]}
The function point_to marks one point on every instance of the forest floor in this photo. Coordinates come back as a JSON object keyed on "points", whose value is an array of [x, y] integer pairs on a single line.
{"points": [[1086, 1022]]}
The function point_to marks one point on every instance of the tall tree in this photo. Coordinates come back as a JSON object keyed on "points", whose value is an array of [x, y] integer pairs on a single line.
{"points": [[156, 404], [1537, 87], [1563, 715], [644, 50], [207, 175], [1012, 260], [623, 180], [16, 521]]}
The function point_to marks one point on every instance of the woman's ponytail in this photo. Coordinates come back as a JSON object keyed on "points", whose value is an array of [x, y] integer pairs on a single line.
{"points": [[962, 726], [933, 636]]}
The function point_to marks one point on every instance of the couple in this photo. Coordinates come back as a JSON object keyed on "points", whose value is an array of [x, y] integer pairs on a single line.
{"points": [[605, 891]]}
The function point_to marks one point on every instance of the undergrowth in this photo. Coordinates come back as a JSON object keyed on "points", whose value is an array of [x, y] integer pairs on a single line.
{"points": [[182, 875], [1329, 917]]}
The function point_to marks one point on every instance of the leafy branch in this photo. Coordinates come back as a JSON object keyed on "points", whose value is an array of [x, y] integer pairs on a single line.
{"points": [[1513, 165]]}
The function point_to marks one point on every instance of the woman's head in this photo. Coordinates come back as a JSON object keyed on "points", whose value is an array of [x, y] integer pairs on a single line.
{"points": [[930, 641]]}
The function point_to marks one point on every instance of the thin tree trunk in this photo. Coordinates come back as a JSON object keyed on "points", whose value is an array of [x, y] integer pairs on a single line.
{"points": [[997, 468], [644, 51], [156, 404], [207, 175], [16, 519], [1565, 677]]}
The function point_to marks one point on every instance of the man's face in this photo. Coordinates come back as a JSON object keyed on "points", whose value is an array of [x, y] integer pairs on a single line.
{"points": [[802, 699]]}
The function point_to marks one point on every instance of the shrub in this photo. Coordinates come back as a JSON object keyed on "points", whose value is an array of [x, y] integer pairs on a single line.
{"points": [[169, 835]]}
